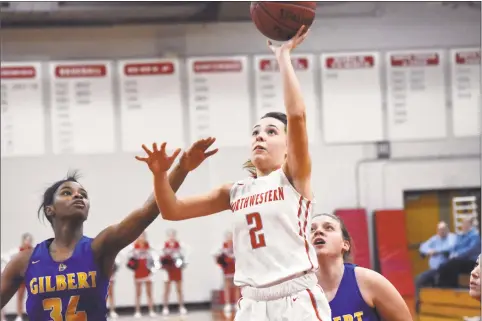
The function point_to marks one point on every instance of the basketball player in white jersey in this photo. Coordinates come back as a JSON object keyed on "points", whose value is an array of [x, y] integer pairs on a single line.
{"points": [[275, 261]]}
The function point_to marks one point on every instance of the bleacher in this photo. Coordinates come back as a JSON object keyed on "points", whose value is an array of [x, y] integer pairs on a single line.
{"points": [[450, 304], [447, 305]]}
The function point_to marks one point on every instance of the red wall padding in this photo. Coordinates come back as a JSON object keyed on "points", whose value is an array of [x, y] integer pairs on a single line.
{"points": [[356, 222], [392, 246]]}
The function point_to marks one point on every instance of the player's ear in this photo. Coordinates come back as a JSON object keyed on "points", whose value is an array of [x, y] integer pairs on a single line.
{"points": [[49, 212], [346, 246]]}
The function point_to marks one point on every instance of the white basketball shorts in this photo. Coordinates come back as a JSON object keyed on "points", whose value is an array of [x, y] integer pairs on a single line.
{"points": [[299, 299]]}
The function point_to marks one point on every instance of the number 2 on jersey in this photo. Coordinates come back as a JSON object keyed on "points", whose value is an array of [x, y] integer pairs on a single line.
{"points": [[55, 307], [256, 231]]}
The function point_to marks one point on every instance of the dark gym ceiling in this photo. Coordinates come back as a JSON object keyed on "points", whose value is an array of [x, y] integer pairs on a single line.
{"points": [[80, 13]]}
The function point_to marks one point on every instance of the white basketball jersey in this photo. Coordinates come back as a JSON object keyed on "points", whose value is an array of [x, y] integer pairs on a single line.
{"points": [[271, 230]]}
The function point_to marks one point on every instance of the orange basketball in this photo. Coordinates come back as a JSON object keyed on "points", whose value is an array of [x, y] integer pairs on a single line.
{"points": [[280, 21]]}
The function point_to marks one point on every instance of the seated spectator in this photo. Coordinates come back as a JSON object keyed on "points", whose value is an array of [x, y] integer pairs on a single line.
{"points": [[437, 248], [463, 256], [474, 290]]}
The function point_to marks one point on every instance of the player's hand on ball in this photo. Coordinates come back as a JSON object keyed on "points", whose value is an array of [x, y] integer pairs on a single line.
{"points": [[290, 44], [195, 155], [157, 159]]}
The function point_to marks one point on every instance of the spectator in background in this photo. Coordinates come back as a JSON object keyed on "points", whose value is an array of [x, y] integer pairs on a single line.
{"points": [[173, 260], [463, 256], [110, 293], [474, 289], [225, 259], [437, 248], [141, 262]]}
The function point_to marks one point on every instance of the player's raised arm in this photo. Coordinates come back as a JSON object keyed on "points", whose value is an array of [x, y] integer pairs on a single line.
{"points": [[13, 276], [170, 206], [298, 163], [114, 238]]}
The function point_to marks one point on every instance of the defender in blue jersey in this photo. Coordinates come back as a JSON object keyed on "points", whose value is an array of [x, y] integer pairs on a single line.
{"points": [[354, 293], [67, 277]]}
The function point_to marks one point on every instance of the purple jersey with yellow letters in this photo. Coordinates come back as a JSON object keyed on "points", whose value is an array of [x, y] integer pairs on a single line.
{"points": [[74, 289], [348, 303]]}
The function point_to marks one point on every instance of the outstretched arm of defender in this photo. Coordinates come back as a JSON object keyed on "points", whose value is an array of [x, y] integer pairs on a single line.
{"points": [[170, 206], [114, 238]]}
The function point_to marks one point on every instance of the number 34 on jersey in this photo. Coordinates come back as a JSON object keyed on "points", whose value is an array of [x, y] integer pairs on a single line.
{"points": [[54, 305]]}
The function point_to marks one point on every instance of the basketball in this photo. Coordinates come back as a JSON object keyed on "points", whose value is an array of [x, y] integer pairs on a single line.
{"points": [[280, 21]]}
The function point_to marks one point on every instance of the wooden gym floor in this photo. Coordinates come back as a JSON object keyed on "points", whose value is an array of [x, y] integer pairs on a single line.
{"points": [[198, 315], [192, 316]]}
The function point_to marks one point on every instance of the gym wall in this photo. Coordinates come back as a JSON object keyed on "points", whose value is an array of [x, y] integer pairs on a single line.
{"points": [[344, 175]]}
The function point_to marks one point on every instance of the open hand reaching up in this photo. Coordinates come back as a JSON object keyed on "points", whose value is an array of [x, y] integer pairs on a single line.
{"points": [[195, 155], [157, 159], [289, 45]]}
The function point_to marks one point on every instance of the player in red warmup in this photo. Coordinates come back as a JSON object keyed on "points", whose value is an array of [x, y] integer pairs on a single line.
{"points": [[143, 262], [275, 261], [110, 293], [225, 259], [173, 261]]}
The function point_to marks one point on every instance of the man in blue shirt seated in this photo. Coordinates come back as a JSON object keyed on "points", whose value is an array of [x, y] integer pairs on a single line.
{"points": [[463, 256], [437, 248]]}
